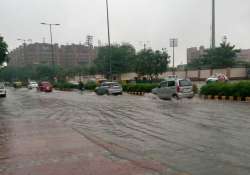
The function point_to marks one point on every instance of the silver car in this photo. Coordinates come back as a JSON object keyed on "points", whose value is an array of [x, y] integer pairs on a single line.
{"points": [[174, 88], [110, 88], [3, 92]]}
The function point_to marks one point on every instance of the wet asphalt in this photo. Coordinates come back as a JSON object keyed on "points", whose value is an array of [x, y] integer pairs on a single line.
{"points": [[186, 137]]}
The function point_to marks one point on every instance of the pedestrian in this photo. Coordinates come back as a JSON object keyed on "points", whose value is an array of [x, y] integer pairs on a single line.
{"points": [[81, 86]]}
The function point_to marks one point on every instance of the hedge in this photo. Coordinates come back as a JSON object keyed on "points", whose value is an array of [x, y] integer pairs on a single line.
{"points": [[240, 89], [65, 86], [90, 85], [139, 87]]}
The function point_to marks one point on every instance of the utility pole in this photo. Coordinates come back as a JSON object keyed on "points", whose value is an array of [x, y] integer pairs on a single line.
{"points": [[213, 45], [109, 43], [51, 42]]}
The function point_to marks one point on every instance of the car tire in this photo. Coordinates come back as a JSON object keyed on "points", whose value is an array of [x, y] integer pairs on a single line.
{"points": [[4, 96]]}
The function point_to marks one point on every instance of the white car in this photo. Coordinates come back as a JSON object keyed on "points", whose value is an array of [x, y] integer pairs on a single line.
{"points": [[217, 78], [32, 85], [110, 88], [3, 92]]}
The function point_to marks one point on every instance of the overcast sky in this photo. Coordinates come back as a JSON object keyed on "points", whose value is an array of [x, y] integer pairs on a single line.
{"points": [[132, 21]]}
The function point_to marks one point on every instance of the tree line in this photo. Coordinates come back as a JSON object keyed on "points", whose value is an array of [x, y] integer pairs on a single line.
{"points": [[120, 58], [220, 57]]}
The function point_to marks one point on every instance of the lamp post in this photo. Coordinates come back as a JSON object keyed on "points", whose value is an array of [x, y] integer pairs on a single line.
{"points": [[51, 41], [213, 45], [109, 43]]}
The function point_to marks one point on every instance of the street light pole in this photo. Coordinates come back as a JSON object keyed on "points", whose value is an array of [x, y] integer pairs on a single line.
{"points": [[51, 41], [109, 43], [213, 45]]}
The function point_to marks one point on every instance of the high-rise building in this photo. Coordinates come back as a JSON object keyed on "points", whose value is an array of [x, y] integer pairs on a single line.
{"points": [[31, 54], [40, 53], [244, 55], [194, 53], [74, 55]]}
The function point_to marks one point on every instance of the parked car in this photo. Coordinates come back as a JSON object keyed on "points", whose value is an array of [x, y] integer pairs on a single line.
{"points": [[110, 88], [32, 85], [174, 88], [3, 92], [217, 78], [45, 86]]}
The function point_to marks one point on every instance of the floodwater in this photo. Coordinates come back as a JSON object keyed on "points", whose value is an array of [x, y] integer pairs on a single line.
{"points": [[137, 135]]}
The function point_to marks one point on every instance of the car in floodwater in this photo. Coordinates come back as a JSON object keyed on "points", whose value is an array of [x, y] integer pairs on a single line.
{"points": [[32, 85], [174, 88], [3, 91], [109, 88], [45, 86], [17, 84]]}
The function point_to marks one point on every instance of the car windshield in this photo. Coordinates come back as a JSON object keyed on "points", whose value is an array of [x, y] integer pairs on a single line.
{"points": [[110, 84], [45, 84], [185, 83]]}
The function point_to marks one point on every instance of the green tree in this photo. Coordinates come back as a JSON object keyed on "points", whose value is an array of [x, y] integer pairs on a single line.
{"points": [[121, 56], [223, 56], [3, 50], [151, 63]]}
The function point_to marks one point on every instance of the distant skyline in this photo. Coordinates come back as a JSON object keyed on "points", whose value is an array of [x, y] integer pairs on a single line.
{"points": [[132, 21]]}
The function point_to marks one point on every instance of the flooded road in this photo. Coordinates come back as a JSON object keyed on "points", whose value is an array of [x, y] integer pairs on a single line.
{"points": [[121, 135]]}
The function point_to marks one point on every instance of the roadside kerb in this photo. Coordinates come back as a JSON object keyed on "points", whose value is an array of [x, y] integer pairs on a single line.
{"points": [[225, 98], [137, 93]]}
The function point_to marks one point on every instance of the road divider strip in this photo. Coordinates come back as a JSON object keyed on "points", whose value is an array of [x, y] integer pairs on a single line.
{"points": [[137, 93], [225, 98]]}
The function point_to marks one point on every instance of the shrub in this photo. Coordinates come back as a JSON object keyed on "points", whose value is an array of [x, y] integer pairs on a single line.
{"points": [[139, 87], [241, 89], [90, 85], [65, 86]]}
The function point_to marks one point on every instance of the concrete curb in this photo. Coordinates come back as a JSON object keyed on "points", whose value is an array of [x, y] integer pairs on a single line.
{"points": [[225, 98], [136, 93]]}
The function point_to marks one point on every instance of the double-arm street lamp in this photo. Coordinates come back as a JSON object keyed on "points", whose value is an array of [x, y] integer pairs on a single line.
{"points": [[51, 41]]}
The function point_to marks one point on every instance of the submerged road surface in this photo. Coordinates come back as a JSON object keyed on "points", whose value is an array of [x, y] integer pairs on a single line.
{"points": [[66, 133]]}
